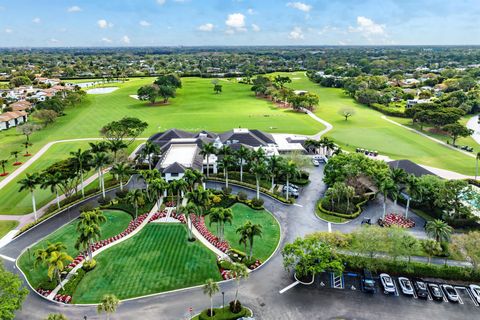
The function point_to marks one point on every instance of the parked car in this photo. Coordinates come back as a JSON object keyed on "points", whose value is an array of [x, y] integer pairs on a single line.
{"points": [[420, 289], [316, 163], [450, 292], [292, 192], [368, 284], [320, 158], [292, 187], [406, 286], [387, 283], [475, 289], [435, 291]]}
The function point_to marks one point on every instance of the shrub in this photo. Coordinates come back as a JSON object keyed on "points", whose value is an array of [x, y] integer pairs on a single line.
{"points": [[121, 194], [105, 201], [71, 285], [48, 285], [87, 207], [89, 265], [257, 202], [225, 264], [237, 255], [216, 199], [226, 190], [235, 307], [242, 195]]}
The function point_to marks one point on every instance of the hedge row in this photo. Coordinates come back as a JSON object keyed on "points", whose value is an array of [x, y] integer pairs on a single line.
{"points": [[344, 215], [389, 111], [224, 314], [71, 285]]}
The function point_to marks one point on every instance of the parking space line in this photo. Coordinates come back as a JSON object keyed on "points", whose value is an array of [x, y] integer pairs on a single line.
{"points": [[298, 205], [396, 289], [415, 294], [460, 300], [444, 297], [429, 296], [471, 297]]}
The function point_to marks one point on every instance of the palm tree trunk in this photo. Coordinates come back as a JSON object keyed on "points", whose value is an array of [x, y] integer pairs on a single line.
{"points": [[288, 187], [121, 185], [226, 179], [241, 170], [149, 163], [58, 198], [236, 293], [89, 251], [208, 165], [384, 206], [251, 247], [258, 188], [103, 185], [211, 306], [81, 184], [407, 207], [273, 181], [34, 205]]}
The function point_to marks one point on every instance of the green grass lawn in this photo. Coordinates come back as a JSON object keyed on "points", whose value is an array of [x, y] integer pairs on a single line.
{"points": [[366, 129], [117, 221], [6, 226], [159, 258], [262, 247]]}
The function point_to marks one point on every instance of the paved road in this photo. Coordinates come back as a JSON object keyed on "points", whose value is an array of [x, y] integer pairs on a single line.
{"points": [[260, 292]]}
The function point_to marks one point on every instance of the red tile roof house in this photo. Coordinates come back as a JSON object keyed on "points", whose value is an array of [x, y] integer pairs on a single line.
{"points": [[22, 105], [12, 119]]}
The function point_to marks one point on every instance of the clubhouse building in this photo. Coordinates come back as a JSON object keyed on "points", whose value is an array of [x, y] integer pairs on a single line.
{"points": [[181, 150]]}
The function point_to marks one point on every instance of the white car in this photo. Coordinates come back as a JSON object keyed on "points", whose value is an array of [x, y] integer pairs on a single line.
{"points": [[475, 291], [387, 283], [316, 163], [450, 292], [406, 286]]}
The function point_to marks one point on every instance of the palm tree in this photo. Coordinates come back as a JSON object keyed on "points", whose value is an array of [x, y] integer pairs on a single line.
{"points": [[158, 187], [207, 150], [52, 181], [214, 217], [226, 163], [181, 186], [221, 216], [290, 170], [274, 164], [258, 169], [148, 150], [210, 288], [187, 210], [239, 271], [3, 163], [200, 198], [56, 316], [254, 230], [100, 160], [15, 155], [115, 146], [26, 145], [135, 197], [439, 230], [54, 258], [386, 187], [108, 305], [148, 176], [88, 228], [30, 183], [82, 161], [476, 165], [242, 154], [193, 178], [311, 144], [98, 147], [413, 190], [399, 177], [121, 170]]}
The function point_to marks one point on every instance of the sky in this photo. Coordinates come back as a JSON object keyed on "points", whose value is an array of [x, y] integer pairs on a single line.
{"points": [[109, 23]]}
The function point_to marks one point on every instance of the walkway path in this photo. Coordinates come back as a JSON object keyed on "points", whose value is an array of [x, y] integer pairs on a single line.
{"points": [[475, 126], [328, 126]]}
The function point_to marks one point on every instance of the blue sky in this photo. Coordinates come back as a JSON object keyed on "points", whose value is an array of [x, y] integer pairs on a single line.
{"points": [[238, 22]]}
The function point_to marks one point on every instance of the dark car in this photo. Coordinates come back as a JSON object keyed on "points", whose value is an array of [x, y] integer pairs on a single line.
{"points": [[435, 291], [421, 289], [368, 284]]}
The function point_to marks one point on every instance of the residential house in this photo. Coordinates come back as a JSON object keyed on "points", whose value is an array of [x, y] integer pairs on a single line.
{"points": [[12, 119]]}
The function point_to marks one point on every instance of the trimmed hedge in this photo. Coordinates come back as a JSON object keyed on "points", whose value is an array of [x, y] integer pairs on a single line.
{"points": [[344, 215], [389, 111], [223, 314], [72, 284]]}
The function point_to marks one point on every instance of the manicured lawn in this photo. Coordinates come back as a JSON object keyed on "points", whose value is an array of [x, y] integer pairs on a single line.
{"points": [[117, 221], [6, 226], [262, 247], [366, 129], [159, 258]]}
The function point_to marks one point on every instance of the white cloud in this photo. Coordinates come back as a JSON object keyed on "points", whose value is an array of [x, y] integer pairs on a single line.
{"points": [[251, 11], [207, 27], [161, 2], [255, 28], [53, 40], [106, 40], [8, 30], [300, 6], [296, 34], [367, 27], [144, 23], [126, 39], [36, 20], [102, 23], [74, 9], [235, 22]]}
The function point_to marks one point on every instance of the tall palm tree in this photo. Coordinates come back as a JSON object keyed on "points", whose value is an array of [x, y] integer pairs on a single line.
{"points": [[158, 187], [100, 160], [207, 150], [239, 271], [290, 170], [181, 186], [15, 154], [210, 288], [88, 228], [52, 181], [431, 248], [115, 146], [439, 230], [149, 151], [221, 216], [274, 165], [30, 183], [56, 316], [121, 170], [200, 198], [215, 217], [413, 190], [26, 145], [82, 163], [258, 169], [193, 178], [254, 230], [135, 197], [54, 258], [476, 164], [387, 188], [187, 210], [226, 163], [148, 176], [98, 147], [108, 305], [242, 155], [399, 178], [3, 163]]}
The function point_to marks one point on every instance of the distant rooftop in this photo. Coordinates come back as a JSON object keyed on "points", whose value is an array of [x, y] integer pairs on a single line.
{"points": [[183, 154]]}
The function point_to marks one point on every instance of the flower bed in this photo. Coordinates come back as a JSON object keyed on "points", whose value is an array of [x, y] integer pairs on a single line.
{"points": [[199, 224], [393, 219], [64, 298], [255, 265], [170, 204]]}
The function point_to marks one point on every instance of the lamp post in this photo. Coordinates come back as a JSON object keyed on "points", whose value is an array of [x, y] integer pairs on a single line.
{"points": [[223, 297]]}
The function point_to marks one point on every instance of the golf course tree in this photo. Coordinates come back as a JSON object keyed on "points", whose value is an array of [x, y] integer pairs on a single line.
{"points": [[148, 93], [52, 181], [12, 294], [3, 163], [109, 305], [126, 129], [307, 101], [457, 130], [310, 256], [82, 161], [30, 183], [121, 171], [54, 258], [339, 198], [226, 164], [280, 81], [194, 179], [116, 146], [261, 85], [221, 216], [15, 154], [346, 112], [190, 208], [217, 87], [167, 86], [27, 129], [201, 199], [210, 288], [239, 271], [136, 197], [88, 229], [248, 231]]}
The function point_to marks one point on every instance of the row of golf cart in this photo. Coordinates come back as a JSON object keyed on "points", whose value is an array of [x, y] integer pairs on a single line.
{"points": [[417, 288]]}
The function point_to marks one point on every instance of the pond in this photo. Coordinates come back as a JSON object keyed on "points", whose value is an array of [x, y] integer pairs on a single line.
{"points": [[102, 90]]}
